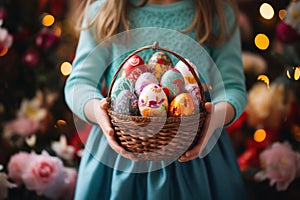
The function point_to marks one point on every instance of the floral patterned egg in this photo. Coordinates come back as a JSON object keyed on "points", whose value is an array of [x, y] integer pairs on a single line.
{"points": [[186, 73], [133, 68], [144, 80], [182, 105], [126, 103], [153, 102], [172, 83], [120, 85], [194, 91], [159, 63]]}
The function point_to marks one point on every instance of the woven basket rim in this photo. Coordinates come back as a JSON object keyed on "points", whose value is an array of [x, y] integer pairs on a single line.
{"points": [[155, 118]]}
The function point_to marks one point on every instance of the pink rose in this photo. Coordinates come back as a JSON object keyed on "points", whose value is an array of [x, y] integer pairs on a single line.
{"points": [[280, 165], [44, 174], [16, 166]]}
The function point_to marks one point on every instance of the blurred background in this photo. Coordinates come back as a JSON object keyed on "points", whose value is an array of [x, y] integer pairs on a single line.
{"points": [[37, 46]]}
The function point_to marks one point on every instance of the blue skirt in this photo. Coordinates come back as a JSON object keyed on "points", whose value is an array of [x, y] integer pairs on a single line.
{"points": [[216, 176]]}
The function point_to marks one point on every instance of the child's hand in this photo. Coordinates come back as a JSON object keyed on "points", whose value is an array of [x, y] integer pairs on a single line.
{"points": [[105, 124], [207, 132]]}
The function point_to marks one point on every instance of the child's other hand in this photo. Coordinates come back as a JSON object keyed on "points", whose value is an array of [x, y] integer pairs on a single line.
{"points": [[108, 131], [207, 132]]}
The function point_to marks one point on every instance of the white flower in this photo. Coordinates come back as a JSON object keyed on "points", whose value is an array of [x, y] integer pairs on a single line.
{"points": [[62, 149], [293, 15], [32, 109], [6, 39]]}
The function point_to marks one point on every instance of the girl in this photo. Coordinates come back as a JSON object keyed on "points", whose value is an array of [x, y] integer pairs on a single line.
{"points": [[207, 171]]}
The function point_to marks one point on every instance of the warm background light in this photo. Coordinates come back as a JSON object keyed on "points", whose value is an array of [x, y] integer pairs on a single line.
{"points": [[48, 20], [66, 68], [57, 30], [259, 135], [3, 52], [266, 11], [282, 13], [294, 73], [61, 122], [265, 79], [261, 41]]}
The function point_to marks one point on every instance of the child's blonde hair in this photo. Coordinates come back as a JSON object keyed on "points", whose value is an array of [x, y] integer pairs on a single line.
{"points": [[112, 19]]}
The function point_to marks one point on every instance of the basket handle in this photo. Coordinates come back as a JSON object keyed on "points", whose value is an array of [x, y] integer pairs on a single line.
{"points": [[156, 46]]}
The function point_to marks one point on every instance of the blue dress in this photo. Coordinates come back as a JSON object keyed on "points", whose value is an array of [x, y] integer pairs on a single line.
{"points": [[103, 174]]}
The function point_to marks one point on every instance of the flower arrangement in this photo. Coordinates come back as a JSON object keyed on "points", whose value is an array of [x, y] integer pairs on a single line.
{"points": [[280, 164], [288, 30], [42, 173], [40, 147]]}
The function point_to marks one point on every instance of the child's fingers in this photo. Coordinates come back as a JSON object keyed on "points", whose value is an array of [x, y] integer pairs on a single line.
{"points": [[191, 154], [120, 150], [104, 122], [196, 150]]}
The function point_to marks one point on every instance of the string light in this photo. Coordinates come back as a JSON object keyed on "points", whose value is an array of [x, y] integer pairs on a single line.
{"points": [[48, 20], [261, 41], [266, 11], [259, 135], [66, 68]]}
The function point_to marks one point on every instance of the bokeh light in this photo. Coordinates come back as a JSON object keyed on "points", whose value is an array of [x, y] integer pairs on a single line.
{"points": [[293, 73], [3, 52], [66, 68], [57, 30], [61, 122], [259, 135], [31, 140], [281, 14], [261, 41], [266, 11], [48, 20], [296, 132], [265, 79]]}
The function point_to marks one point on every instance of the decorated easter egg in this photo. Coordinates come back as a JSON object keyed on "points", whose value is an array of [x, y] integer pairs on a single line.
{"points": [[120, 85], [144, 80], [186, 73], [133, 68], [159, 63], [182, 105], [153, 102], [172, 83], [194, 91], [126, 103]]}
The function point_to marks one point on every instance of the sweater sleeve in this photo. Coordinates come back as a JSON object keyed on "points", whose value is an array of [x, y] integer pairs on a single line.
{"points": [[227, 58], [89, 65]]}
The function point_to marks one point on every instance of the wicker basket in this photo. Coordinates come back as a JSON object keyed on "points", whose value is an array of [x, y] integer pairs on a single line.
{"points": [[177, 134]]}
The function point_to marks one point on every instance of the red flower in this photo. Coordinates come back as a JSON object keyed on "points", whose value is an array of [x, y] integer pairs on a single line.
{"points": [[286, 33]]}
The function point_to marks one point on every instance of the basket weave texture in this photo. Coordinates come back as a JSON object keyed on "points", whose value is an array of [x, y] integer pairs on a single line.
{"points": [[166, 136]]}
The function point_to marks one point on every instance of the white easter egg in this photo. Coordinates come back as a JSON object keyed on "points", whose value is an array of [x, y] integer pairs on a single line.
{"points": [[144, 80], [186, 73], [153, 102]]}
